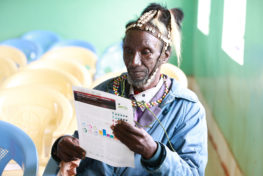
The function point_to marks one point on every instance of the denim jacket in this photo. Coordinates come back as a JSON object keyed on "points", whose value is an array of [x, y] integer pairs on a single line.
{"points": [[183, 118]]}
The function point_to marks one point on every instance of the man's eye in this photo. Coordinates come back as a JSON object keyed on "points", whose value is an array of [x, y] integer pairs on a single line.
{"points": [[146, 52]]}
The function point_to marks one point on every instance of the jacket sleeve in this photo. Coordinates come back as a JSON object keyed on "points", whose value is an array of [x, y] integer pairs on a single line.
{"points": [[189, 141]]}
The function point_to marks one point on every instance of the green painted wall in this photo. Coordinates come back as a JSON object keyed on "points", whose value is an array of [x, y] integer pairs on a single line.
{"points": [[101, 22], [234, 92], [189, 9]]}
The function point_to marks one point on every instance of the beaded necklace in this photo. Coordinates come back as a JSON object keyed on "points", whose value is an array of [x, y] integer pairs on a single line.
{"points": [[122, 78]]}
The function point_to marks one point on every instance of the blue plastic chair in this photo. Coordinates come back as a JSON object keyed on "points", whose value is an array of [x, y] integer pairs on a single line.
{"points": [[79, 43], [16, 145], [45, 39], [52, 168], [111, 60], [30, 49]]}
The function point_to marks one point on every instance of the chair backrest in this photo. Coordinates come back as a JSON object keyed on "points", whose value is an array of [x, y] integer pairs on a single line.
{"points": [[52, 168], [82, 55], [106, 77], [32, 50], [174, 72], [69, 66], [55, 79], [16, 145], [78, 43], [14, 54], [7, 68], [45, 39], [111, 60], [41, 112]]}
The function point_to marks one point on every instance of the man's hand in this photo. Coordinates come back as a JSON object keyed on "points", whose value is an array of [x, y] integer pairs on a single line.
{"points": [[136, 139], [69, 168], [68, 149]]}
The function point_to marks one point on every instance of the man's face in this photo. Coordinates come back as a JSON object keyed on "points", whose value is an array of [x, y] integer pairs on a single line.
{"points": [[141, 52]]}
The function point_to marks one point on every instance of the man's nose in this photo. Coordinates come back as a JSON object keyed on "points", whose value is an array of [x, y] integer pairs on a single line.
{"points": [[136, 59]]}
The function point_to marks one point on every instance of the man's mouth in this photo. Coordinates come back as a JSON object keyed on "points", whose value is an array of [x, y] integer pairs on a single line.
{"points": [[137, 74]]}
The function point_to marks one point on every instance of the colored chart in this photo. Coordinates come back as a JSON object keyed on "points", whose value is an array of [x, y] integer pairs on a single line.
{"points": [[92, 129]]}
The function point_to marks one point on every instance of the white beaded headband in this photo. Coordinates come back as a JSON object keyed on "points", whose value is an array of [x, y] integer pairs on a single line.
{"points": [[142, 24]]}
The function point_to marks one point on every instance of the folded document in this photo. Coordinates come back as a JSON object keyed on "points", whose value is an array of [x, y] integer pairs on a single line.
{"points": [[96, 111]]}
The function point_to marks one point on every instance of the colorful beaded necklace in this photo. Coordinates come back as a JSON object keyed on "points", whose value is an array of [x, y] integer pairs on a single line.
{"points": [[122, 78]]}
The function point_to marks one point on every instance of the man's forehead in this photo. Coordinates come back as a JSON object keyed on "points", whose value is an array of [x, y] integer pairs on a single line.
{"points": [[141, 37]]}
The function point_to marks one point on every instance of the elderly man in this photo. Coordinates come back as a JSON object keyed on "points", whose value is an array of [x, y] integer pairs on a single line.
{"points": [[170, 136]]}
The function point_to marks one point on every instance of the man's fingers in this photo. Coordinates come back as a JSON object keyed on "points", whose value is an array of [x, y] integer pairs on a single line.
{"points": [[121, 131], [136, 139], [80, 152], [124, 139], [129, 128], [132, 144], [129, 139], [69, 149], [77, 152], [65, 156], [71, 171], [73, 165]]}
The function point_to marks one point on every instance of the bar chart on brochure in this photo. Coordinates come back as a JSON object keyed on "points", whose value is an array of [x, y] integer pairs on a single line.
{"points": [[96, 111]]}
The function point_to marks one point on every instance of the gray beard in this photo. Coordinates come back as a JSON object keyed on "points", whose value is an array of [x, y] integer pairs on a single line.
{"points": [[143, 83], [137, 84]]}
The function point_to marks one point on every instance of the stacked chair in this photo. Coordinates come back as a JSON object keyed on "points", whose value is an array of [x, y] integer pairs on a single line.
{"points": [[45, 39], [76, 43], [43, 113], [36, 94], [16, 145], [17, 56], [58, 80], [32, 50], [111, 60], [84, 56], [7, 68], [84, 59], [175, 72], [11, 59], [74, 68], [107, 76]]}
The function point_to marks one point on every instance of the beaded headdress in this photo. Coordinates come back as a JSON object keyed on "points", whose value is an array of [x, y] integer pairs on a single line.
{"points": [[168, 35], [142, 24]]}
